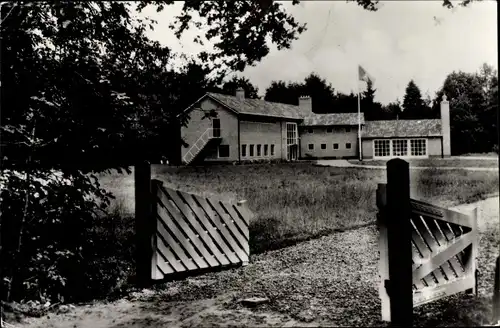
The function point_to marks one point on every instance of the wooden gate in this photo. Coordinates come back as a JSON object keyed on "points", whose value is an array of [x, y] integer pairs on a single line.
{"points": [[180, 233], [443, 247]]}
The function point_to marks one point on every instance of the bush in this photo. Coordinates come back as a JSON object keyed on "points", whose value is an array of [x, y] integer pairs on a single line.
{"points": [[52, 237]]}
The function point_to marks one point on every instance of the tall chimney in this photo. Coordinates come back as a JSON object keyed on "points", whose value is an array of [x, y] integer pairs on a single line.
{"points": [[305, 103], [240, 93], [445, 126]]}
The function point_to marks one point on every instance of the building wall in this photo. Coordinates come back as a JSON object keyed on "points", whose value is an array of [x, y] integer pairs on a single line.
{"points": [[197, 126], [433, 147], [321, 135], [261, 133]]}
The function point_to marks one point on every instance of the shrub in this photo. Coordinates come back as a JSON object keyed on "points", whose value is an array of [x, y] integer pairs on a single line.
{"points": [[50, 243]]}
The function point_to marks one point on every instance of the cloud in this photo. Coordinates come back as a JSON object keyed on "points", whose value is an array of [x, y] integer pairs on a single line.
{"points": [[399, 42]]}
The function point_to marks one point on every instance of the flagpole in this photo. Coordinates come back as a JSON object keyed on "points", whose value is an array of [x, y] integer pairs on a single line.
{"points": [[359, 121]]}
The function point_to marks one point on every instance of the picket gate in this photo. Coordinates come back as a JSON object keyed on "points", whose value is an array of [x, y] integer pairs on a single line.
{"points": [[182, 233], [444, 246]]}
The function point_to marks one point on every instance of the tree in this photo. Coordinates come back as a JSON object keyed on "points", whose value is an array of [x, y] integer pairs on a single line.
{"points": [[372, 110], [251, 91], [473, 105], [321, 92], [413, 105], [391, 111]]}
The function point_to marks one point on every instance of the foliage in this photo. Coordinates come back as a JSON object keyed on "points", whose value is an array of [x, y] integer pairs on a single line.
{"points": [[414, 106], [46, 218], [473, 101]]}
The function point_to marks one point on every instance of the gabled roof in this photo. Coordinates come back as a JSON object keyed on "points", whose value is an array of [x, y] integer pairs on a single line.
{"points": [[259, 107], [402, 128], [333, 119]]}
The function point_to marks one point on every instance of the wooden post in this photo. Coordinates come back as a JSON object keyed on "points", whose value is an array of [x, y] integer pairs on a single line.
{"points": [[243, 204], [143, 214], [383, 251], [496, 294], [398, 220]]}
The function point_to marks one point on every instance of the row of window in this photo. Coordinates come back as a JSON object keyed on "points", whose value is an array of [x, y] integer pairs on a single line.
{"points": [[399, 147], [257, 150], [335, 146], [330, 130]]}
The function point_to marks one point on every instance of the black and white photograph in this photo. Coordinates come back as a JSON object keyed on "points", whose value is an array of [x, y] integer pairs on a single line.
{"points": [[249, 163]]}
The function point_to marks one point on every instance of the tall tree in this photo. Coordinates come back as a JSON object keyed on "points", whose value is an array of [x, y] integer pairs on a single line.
{"points": [[372, 110], [413, 105], [472, 111], [321, 92], [251, 91]]}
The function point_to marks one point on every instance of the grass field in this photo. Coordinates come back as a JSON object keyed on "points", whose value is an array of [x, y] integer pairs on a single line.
{"points": [[438, 162], [296, 202]]}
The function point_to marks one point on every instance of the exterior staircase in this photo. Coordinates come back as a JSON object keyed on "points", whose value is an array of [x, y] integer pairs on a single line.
{"points": [[200, 144]]}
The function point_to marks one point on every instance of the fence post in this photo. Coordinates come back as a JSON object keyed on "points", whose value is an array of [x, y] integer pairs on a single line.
{"points": [[496, 293], [143, 213], [398, 221], [383, 251]]}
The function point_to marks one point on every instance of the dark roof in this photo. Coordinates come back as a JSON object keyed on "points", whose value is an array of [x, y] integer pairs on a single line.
{"points": [[259, 107], [402, 128], [333, 119]]}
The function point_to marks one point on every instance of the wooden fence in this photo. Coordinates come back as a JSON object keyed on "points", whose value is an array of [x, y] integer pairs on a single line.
{"points": [[426, 252], [180, 233]]}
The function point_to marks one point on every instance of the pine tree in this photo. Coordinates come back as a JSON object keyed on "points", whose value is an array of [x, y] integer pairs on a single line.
{"points": [[413, 105]]}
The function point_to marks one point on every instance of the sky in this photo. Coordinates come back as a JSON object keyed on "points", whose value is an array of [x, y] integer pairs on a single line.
{"points": [[403, 40]]}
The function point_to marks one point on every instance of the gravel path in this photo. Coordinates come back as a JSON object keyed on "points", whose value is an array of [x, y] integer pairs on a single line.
{"points": [[331, 281]]}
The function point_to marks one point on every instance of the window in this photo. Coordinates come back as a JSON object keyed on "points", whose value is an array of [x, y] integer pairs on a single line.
{"points": [[272, 150], [418, 147], [265, 149], [258, 150], [335, 146], [399, 147], [311, 146], [348, 145], [216, 127], [348, 129], [244, 150], [309, 130], [329, 130], [251, 150], [382, 148], [323, 146], [224, 151]]}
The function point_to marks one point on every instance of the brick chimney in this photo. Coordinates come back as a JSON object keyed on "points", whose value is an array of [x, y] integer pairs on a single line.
{"points": [[240, 93], [305, 103], [445, 126]]}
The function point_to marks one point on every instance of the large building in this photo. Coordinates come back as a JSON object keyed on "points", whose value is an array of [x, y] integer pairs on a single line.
{"points": [[252, 129]]}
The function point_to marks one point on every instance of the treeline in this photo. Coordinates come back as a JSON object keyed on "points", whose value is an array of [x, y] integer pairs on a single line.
{"points": [[473, 104]]}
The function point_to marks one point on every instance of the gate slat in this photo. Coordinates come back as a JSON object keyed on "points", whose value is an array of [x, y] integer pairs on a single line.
{"points": [[162, 211], [456, 261], [426, 253], [168, 255], [197, 242], [441, 240], [442, 257], [236, 218], [214, 219], [240, 239], [433, 245], [175, 247], [202, 217]]}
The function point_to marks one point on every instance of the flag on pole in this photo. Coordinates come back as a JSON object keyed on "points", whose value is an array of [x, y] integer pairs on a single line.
{"points": [[363, 75]]}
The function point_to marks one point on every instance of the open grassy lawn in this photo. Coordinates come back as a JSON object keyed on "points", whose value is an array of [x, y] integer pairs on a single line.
{"points": [[295, 202], [438, 162]]}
